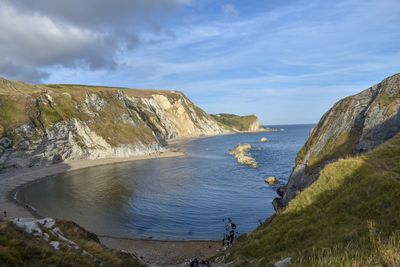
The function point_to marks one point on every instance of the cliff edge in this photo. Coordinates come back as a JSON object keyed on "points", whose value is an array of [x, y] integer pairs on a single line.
{"points": [[354, 125]]}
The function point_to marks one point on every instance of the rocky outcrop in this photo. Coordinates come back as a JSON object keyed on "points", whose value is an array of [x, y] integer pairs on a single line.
{"points": [[42, 124], [355, 124], [241, 153], [271, 180]]}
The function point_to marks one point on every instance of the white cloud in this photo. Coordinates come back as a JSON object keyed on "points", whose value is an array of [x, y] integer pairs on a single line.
{"points": [[36, 35], [229, 10]]}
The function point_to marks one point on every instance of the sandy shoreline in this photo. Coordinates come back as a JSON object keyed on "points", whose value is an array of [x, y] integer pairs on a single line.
{"points": [[152, 252], [11, 180]]}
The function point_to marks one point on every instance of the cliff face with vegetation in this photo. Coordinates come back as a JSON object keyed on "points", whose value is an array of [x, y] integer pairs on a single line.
{"points": [[342, 198], [50, 123], [354, 125], [237, 123], [347, 217]]}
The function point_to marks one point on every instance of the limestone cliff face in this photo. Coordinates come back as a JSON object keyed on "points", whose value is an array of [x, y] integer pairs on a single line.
{"points": [[255, 126], [353, 125], [41, 124]]}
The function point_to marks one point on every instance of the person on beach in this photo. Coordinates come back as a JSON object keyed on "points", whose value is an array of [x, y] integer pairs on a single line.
{"points": [[5, 213], [231, 237], [194, 263], [230, 232]]}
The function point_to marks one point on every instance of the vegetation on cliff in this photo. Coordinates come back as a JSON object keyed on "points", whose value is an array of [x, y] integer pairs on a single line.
{"points": [[354, 125], [18, 248], [348, 217]]}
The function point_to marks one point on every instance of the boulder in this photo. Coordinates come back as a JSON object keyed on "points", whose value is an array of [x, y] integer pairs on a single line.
{"points": [[5, 142], [264, 139], [271, 180]]}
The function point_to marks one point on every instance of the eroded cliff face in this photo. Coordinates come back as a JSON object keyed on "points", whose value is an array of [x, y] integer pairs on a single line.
{"points": [[355, 124], [41, 124]]}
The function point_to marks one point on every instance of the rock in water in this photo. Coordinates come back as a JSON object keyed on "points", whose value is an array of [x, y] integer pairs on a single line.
{"points": [[241, 153], [264, 140], [271, 180]]}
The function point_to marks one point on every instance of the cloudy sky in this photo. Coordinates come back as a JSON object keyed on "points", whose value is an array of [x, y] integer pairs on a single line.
{"points": [[287, 61]]}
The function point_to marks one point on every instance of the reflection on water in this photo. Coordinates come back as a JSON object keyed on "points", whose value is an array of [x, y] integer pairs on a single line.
{"points": [[173, 198]]}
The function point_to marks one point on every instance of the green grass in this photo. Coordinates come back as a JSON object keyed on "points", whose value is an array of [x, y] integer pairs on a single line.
{"points": [[333, 217], [235, 122], [12, 112], [18, 248]]}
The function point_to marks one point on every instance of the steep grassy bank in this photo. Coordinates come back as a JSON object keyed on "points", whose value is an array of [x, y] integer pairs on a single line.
{"points": [[348, 217], [18, 248]]}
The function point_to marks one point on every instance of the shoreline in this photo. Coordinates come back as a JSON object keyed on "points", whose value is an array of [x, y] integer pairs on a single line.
{"points": [[12, 180], [151, 251]]}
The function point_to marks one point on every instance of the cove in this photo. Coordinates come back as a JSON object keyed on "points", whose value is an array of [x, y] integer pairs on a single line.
{"points": [[183, 198]]}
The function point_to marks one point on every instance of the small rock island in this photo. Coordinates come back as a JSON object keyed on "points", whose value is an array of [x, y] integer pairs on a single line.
{"points": [[241, 153]]}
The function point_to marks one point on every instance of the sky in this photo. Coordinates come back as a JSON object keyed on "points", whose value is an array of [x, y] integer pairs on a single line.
{"points": [[287, 61]]}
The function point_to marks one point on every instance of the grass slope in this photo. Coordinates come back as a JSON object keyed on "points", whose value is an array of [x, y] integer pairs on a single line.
{"points": [[18, 248], [348, 217]]}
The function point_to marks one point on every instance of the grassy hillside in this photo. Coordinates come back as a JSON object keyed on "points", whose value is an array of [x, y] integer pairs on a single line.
{"points": [[17, 248], [235, 122], [348, 217]]}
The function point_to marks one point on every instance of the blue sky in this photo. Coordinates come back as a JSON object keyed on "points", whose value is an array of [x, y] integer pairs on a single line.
{"points": [[285, 61]]}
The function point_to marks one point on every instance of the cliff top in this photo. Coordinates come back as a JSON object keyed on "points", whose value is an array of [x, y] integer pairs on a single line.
{"points": [[10, 87], [236, 122]]}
